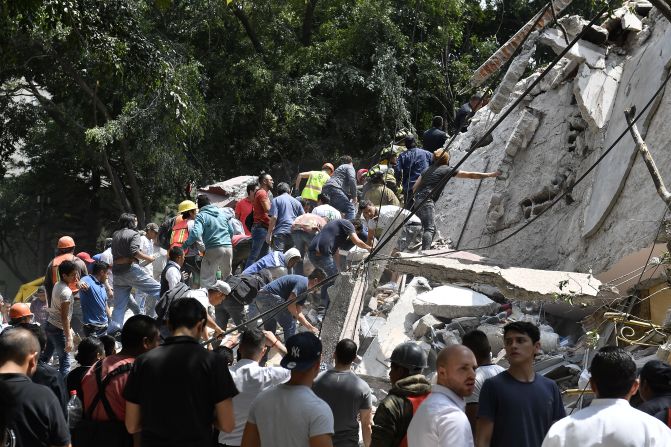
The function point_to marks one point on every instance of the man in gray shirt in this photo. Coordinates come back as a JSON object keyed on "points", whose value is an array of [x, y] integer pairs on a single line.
{"points": [[306, 420], [341, 188], [348, 396]]}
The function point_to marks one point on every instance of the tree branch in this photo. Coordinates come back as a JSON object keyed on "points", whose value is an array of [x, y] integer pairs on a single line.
{"points": [[308, 21], [244, 20], [647, 157]]}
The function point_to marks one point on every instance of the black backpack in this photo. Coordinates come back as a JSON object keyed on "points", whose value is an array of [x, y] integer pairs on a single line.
{"points": [[165, 232], [244, 288], [164, 303], [110, 433]]}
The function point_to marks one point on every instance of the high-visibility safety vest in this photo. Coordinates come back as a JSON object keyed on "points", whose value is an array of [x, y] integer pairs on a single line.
{"points": [[416, 401], [180, 232], [314, 185], [55, 277]]}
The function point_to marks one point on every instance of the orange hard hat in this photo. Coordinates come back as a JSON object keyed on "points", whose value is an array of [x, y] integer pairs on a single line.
{"points": [[19, 310], [328, 166], [66, 242]]}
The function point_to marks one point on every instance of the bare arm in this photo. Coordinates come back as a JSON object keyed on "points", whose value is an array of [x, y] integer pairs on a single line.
{"points": [[321, 441], [266, 204], [366, 426], [415, 187], [358, 242], [225, 419], [472, 414], [251, 437], [483, 432], [65, 321], [300, 177], [273, 342], [298, 315], [477, 175], [271, 228], [133, 421]]}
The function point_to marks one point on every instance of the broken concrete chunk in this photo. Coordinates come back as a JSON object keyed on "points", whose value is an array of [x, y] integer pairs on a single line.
{"points": [[453, 302], [370, 326], [643, 8], [575, 24], [422, 326], [595, 92], [514, 73], [583, 51], [630, 22], [577, 123]]}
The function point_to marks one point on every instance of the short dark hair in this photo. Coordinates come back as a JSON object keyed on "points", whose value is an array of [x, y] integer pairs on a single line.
{"points": [[657, 375], [477, 342], [109, 343], [324, 198], [136, 329], [187, 214], [202, 200], [262, 177], [127, 220], [283, 188], [345, 351], [365, 203], [99, 267], [358, 225], [437, 121], [186, 312], [251, 187], [523, 327], [251, 342], [613, 371], [345, 160], [37, 331], [65, 268], [317, 274], [88, 350], [175, 252], [16, 344]]}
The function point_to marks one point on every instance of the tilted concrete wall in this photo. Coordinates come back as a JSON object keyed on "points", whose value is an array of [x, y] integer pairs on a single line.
{"points": [[616, 210]]}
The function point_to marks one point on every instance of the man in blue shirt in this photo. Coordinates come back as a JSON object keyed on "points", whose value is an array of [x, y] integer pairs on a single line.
{"points": [[276, 262], [284, 209], [95, 309], [290, 288], [410, 166], [341, 188]]}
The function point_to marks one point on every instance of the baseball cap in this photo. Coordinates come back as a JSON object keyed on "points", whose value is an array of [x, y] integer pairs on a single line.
{"points": [[85, 257], [658, 375], [220, 286], [303, 350]]}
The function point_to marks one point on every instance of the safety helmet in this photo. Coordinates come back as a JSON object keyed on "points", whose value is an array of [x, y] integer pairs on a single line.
{"points": [[292, 253], [401, 134], [185, 206], [391, 151], [328, 166], [18, 311], [66, 242], [410, 356]]}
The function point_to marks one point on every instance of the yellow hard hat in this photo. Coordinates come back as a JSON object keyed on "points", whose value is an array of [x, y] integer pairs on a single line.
{"points": [[185, 206]]}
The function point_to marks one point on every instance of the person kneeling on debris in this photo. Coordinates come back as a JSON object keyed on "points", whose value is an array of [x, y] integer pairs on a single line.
{"points": [[409, 388], [276, 262], [383, 220], [244, 289]]}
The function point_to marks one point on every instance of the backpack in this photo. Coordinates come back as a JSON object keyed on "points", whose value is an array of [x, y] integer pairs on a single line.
{"points": [[166, 300], [416, 401], [249, 220], [244, 288], [165, 232], [110, 433]]}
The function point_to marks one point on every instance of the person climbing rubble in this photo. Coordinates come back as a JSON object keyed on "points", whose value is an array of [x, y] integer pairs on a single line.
{"points": [[278, 263], [409, 388], [411, 164], [382, 220], [314, 184]]}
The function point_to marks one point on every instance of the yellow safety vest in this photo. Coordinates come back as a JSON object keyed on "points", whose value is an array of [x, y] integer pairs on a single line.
{"points": [[314, 185]]}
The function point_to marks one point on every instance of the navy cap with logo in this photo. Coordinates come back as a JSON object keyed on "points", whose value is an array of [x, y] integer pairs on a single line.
{"points": [[303, 350]]}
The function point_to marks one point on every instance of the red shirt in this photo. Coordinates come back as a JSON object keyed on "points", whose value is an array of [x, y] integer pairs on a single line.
{"points": [[260, 214], [114, 390], [242, 210]]}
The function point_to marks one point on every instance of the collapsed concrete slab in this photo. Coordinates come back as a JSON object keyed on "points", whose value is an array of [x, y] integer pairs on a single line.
{"points": [[453, 302], [583, 51], [595, 92], [515, 283], [228, 192]]}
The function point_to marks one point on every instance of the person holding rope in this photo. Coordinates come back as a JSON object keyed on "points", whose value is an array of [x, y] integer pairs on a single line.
{"points": [[425, 188]]}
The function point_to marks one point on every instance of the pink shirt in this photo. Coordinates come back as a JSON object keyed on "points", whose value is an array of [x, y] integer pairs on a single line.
{"points": [[114, 390]]}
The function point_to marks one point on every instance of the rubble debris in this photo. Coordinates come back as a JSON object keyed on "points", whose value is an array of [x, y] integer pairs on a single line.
{"points": [[595, 92], [513, 75], [573, 25], [583, 51], [424, 324], [229, 192], [452, 302]]}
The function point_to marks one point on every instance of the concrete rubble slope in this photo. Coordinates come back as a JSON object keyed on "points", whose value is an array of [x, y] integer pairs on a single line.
{"points": [[515, 283], [449, 301]]}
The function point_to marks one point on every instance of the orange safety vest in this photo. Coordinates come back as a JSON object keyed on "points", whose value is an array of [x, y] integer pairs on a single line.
{"points": [[416, 401], [314, 185], [180, 232], [55, 277]]}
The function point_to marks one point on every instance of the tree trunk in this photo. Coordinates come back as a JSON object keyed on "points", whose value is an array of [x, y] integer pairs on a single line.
{"points": [[244, 20], [308, 21]]}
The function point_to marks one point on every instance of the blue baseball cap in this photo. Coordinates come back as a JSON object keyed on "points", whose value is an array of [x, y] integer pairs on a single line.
{"points": [[303, 350]]}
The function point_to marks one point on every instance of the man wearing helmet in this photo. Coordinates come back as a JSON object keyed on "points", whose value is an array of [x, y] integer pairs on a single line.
{"points": [[184, 221], [409, 388], [315, 182]]}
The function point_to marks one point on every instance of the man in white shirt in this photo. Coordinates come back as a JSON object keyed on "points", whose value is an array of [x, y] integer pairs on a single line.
{"points": [[478, 342], [210, 297], [325, 210], [610, 420], [440, 420], [250, 378], [382, 220]]}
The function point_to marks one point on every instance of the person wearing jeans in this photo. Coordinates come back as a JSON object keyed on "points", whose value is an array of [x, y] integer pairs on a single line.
{"points": [[261, 221], [341, 188], [213, 226], [128, 274]]}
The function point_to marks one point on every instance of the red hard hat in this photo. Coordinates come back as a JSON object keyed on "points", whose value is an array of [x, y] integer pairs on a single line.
{"points": [[66, 242], [19, 310]]}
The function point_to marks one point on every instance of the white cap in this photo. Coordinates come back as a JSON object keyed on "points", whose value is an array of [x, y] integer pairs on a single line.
{"points": [[292, 253], [220, 286]]}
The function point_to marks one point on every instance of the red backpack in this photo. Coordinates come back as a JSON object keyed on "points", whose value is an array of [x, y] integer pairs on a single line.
{"points": [[416, 401]]}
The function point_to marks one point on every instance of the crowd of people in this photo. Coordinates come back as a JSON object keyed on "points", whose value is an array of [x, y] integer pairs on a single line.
{"points": [[208, 289]]}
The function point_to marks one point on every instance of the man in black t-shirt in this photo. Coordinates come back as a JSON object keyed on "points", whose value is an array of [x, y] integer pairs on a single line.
{"points": [[434, 138], [427, 186], [177, 393], [38, 420]]}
